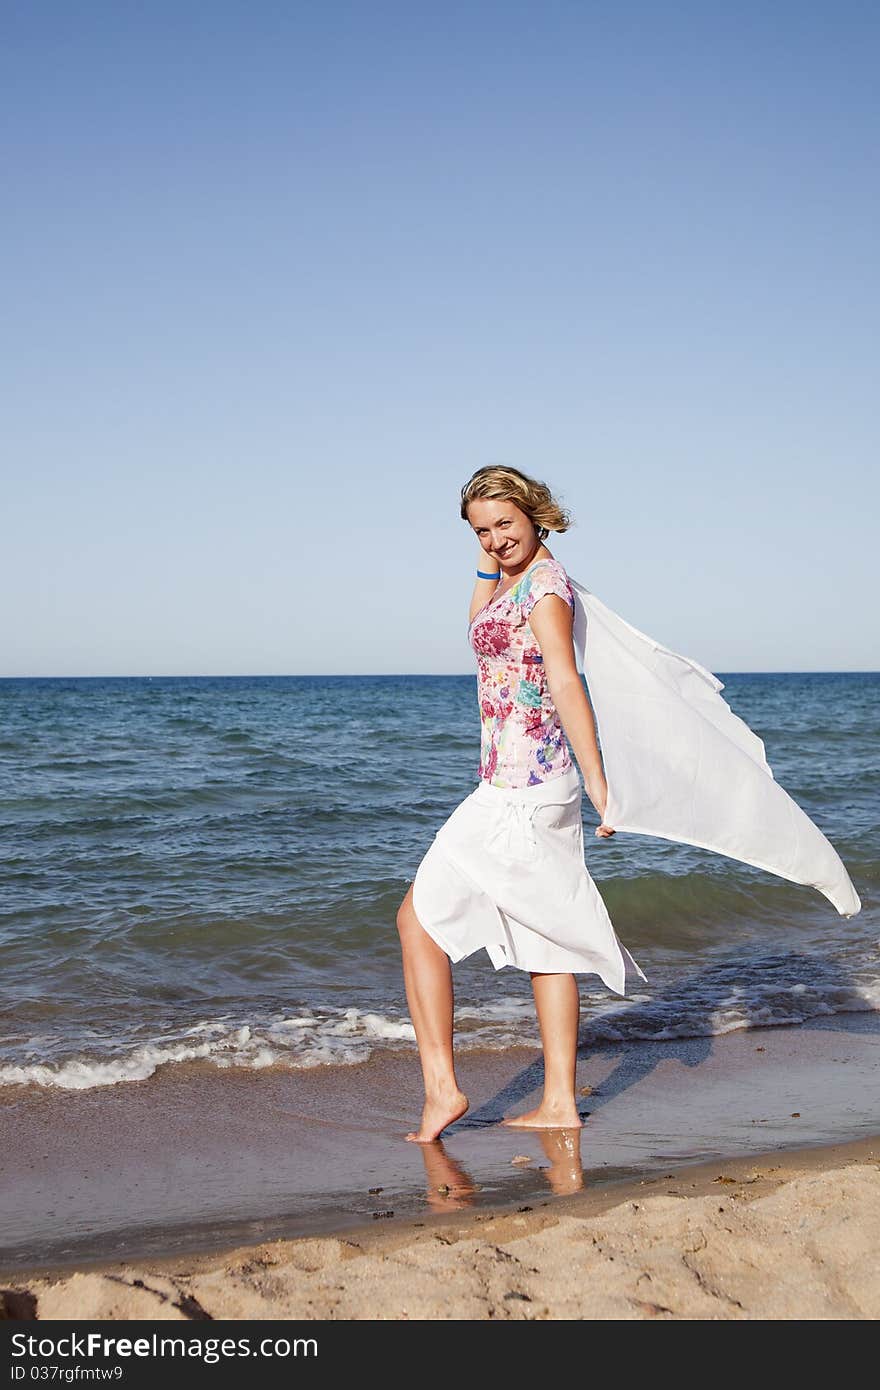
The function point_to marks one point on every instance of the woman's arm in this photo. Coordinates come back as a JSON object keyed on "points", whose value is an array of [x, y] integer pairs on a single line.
{"points": [[551, 620], [483, 588]]}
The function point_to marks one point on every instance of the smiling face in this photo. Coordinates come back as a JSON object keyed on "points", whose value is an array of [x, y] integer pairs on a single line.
{"points": [[503, 530]]}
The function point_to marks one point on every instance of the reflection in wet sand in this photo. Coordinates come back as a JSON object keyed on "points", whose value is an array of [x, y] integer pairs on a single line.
{"points": [[449, 1187], [562, 1147]]}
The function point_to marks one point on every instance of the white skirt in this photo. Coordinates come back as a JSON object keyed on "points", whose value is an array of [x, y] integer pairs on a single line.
{"points": [[506, 871]]}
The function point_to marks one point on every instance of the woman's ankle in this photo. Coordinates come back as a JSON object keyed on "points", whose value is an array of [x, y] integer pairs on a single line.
{"points": [[559, 1101], [441, 1088]]}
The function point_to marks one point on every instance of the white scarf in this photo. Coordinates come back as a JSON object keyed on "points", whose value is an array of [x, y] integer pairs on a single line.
{"points": [[679, 764]]}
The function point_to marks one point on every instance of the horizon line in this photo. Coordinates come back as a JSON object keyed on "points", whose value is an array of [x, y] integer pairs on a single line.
{"points": [[380, 675]]}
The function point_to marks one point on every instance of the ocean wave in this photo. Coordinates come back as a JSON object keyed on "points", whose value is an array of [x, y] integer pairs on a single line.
{"points": [[298, 1041], [346, 1037]]}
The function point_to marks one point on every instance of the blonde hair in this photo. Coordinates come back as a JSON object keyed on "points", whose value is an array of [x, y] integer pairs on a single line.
{"points": [[506, 484]]}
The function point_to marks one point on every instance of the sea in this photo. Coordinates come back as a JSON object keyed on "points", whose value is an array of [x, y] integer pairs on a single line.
{"points": [[208, 870]]}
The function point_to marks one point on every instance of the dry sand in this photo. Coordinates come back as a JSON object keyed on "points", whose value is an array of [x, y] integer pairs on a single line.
{"points": [[787, 1234]]}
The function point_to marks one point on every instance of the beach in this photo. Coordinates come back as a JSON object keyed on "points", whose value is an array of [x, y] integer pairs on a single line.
{"points": [[793, 1234], [735, 1180]]}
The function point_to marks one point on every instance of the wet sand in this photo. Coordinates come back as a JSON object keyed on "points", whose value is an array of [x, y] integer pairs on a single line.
{"points": [[150, 1180], [789, 1235]]}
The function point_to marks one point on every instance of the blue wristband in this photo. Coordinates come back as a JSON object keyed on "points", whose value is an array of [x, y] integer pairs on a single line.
{"points": [[481, 575]]}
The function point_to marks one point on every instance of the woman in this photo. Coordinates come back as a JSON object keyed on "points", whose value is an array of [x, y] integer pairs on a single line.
{"points": [[506, 871]]}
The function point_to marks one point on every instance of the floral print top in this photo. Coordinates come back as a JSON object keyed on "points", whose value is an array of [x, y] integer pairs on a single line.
{"points": [[522, 741]]}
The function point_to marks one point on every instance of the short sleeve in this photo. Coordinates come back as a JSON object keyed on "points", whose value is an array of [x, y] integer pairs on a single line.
{"points": [[544, 578]]}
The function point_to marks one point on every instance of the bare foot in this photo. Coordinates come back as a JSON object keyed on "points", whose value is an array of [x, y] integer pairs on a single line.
{"points": [[547, 1116], [437, 1114]]}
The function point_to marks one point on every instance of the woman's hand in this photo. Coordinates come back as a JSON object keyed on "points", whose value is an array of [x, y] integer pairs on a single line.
{"points": [[603, 832], [483, 588], [486, 561]]}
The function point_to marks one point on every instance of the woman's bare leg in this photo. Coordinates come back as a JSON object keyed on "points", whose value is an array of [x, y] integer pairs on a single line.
{"points": [[427, 975], [557, 1001]]}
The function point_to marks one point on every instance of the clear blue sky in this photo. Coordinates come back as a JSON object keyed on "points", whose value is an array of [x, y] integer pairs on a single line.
{"points": [[280, 276]]}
